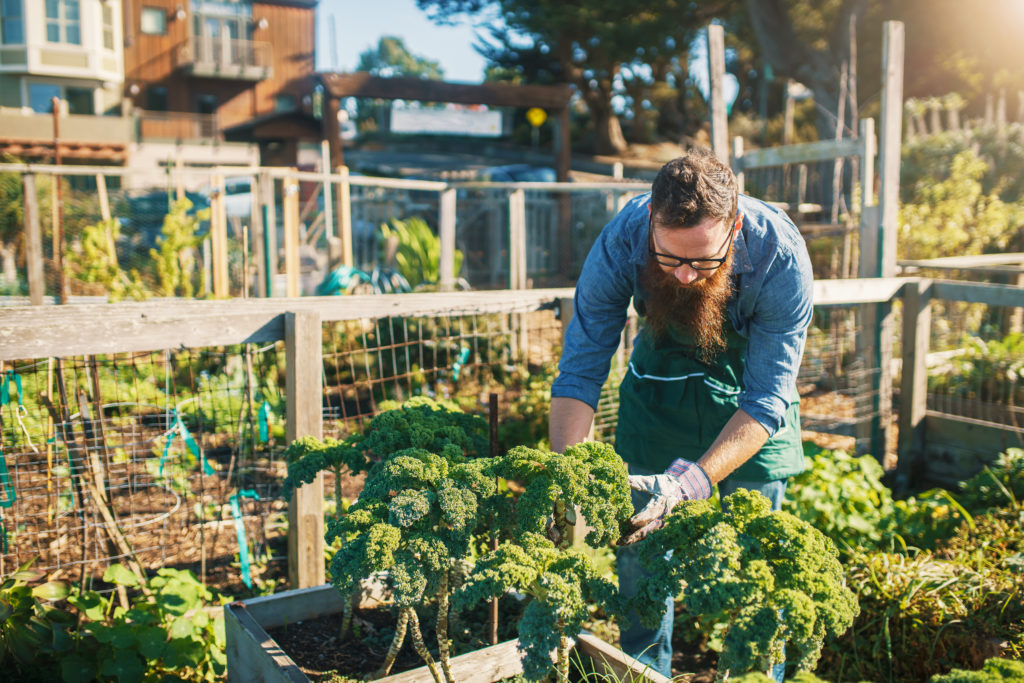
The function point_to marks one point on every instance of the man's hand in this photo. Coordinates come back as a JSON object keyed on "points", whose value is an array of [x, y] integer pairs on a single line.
{"points": [[684, 480]]}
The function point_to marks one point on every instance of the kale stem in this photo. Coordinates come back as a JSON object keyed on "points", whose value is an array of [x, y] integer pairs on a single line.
{"points": [[396, 642], [443, 602], [420, 646]]}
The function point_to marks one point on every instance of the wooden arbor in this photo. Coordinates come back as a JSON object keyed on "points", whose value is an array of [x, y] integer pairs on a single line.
{"points": [[552, 98]]}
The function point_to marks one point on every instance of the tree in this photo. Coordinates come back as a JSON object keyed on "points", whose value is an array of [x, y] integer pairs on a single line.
{"points": [[392, 58], [584, 44]]}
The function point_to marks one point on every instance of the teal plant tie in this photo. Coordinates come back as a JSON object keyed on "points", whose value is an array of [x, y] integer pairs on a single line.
{"points": [[457, 365], [243, 545], [193, 446], [5, 388], [263, 417], [167, 449], [9, 495]]}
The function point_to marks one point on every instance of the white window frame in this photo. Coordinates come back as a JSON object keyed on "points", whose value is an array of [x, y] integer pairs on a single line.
{"points": [[62, 22]]}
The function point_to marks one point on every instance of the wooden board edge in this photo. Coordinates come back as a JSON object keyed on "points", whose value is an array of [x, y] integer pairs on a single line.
{"points": [[617, 662]]}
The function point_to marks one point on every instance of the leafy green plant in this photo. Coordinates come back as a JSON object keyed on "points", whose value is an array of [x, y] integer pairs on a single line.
{"points": [[166, 633], [995, 670], [773, 580], [419, 251], [97, 262], [175, 260], [537, 558], [998, 485], [33, 633]]}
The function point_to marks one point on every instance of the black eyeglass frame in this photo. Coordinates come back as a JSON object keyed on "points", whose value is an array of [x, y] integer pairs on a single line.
{"points": [[673, 261]]}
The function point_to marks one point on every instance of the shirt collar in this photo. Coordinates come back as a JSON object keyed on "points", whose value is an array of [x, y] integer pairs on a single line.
{"points": [[740, 259]]}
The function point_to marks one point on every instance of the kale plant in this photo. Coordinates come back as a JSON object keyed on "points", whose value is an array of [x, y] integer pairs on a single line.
{"points": [[773, 580], [537, 560]]}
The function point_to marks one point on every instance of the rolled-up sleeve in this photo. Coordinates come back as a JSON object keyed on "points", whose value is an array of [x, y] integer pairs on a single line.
{"points": [[601, 301], [777, 334]]}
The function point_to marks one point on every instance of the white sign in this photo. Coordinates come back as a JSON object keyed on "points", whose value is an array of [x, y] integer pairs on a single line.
{"points": [[446, 122]]}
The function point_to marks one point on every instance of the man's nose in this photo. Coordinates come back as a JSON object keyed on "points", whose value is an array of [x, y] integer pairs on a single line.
{"points": [[685, 274]]}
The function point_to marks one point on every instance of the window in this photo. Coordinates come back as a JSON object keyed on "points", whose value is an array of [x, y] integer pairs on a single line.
{"points": [[154, 21], [108, 26], [79, 100], [156, 98], [206, 104], [63, 22], [284, 103], [12, 23]]}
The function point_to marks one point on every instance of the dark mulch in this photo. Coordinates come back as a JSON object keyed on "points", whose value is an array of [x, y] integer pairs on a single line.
{"points": [[315, 647]]}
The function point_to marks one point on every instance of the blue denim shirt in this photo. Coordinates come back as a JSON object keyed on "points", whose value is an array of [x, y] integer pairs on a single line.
{"points": [[771, 307]]}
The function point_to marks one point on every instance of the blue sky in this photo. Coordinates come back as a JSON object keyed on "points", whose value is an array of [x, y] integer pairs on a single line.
{"points": [[360, 23]]}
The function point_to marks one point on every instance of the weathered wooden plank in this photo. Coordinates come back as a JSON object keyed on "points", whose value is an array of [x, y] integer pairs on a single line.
{"points": [[805, 152], [890, 142], [446, 235], [716, 78], [301, 604], [304, 363], [33, 241], [857, 291], [964, 262], [917, 321], [291, 237], [957, 448], [252, 654], [490, 664], [43, 331], [979, 293], [363, 84], [615, 661]]}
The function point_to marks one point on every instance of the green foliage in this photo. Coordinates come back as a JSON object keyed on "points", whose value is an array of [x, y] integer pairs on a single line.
{"points": [[175, 261], [419, 251], [589, 475], [166, 633], [773, 579], [955, 216], [33, 633], [986, 370], [97, 262], [923, 613], [998, 485], [996, 670], [558, 583], [392, 58]]}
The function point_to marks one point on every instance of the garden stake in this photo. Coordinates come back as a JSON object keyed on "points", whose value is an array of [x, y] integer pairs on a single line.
{"points": [[66, 426], [492, 409], [98, 404]]}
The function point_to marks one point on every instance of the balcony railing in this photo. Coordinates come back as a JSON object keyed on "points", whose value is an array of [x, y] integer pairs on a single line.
{"points": [[170, 125], [233, 58]]}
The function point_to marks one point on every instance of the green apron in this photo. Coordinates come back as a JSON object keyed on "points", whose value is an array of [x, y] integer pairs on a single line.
{"points": [[672, 405]]}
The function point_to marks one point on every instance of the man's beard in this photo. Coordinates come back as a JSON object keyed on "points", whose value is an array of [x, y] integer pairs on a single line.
{"points": [[698, 308]]}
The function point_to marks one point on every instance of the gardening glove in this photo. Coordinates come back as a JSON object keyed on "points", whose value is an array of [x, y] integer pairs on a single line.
{"points": [[683, 480]]}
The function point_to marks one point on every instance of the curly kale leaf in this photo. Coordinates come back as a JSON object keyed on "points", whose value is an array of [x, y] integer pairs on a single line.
{"points": [[774, 579], [437, 426], [539, 634], [307, 456]]}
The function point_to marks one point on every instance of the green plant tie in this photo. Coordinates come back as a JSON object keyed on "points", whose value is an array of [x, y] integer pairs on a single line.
{"points": [[186, 436], [5, 388], [7, 500], [243, 546], [167, 449], [263, 416], [457, 365]]}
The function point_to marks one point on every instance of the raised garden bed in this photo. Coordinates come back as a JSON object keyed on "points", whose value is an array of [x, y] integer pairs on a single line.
{"points": [[254, 656]]}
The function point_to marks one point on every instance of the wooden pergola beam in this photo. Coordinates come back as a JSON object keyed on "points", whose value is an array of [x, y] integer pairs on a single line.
{"points": [[363, 84]]}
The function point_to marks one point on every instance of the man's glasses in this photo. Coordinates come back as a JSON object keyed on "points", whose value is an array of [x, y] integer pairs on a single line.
{"points": [[673, 261]]}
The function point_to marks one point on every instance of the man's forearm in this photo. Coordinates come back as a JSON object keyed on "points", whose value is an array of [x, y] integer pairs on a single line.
{"points": [[570, 422], [740, 439]]}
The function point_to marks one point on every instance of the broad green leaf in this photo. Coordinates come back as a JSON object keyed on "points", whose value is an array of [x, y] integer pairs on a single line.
{"points": [[75, 669], [120, 575], [152, 642], [181, 628], [125, 666], [90, 604], [51, 590]]}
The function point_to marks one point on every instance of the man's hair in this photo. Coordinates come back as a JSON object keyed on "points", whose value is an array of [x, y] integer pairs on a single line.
{"points": [[693, 188]]}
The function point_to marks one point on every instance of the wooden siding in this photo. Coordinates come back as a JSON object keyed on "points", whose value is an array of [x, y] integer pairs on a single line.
{"points": [[150, 61]]}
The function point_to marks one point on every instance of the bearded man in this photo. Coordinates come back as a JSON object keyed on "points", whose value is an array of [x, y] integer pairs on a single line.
{"points": [[723, 282]]}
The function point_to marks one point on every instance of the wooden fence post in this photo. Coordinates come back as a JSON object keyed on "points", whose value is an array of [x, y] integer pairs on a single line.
{"points": [[737, 161], [219, 239], [446, 230], [304, 364], [325, 167], [269, 202], [258, 244], [33, 242], [291, 236], [917, 322], [517, 239], [716, 78], [345, 218]]}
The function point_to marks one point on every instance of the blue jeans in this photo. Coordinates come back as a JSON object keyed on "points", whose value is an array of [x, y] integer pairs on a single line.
{"points": [[654, 646]]}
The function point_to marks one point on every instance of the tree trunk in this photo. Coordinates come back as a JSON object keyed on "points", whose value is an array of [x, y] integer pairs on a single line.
{"points": [[608, 138]]}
